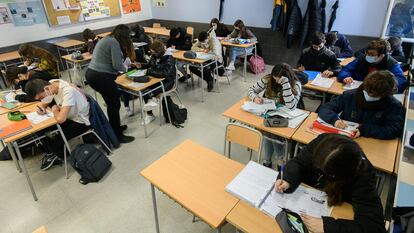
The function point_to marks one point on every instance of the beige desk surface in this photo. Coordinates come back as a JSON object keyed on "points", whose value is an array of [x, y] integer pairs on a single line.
{"points": [[35, 128], [196, 177], [179, 55], [19, 106], [157, 31], [226, 43], [124, 81], [335, 89], [235, 112], [69, 43], [40, 230], [86, 57], [249, 219], [381, 153], [103, 34], [10, 56], [346, 61]]}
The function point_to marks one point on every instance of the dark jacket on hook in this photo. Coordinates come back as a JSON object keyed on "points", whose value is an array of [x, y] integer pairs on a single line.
{"points": [[294, 23], [312, 22]]}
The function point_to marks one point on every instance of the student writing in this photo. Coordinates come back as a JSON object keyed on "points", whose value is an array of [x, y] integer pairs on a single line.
{"points": [[44, 59]]}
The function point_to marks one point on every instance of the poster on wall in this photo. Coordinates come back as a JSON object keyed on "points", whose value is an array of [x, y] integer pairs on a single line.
{"points": [[27, 13], [131, 6], [4, 15], [400, 20]]}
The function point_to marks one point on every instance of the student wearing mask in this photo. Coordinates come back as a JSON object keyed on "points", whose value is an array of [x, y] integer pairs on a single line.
{"points": [[319, 58], [70, 108], [339, 44], [208, 43], [45, 60], [372, 105], [181, 41], [107, 63], [90, 41], [240, 32], [396, 49], [375, 58], [283, 86], [337, 165], [219, 28]]}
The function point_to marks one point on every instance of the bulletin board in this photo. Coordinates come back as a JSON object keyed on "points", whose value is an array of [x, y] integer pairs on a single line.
{"points": [[62, 12]]}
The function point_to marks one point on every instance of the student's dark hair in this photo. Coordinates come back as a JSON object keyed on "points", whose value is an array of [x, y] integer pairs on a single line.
{"points": [[331, 38], [317, 38], [12, 73], [174, 32], [380, 45], [158, 47], [34, 87], [243, 30], [31, 51], [339, 158], [380, 83], [88, 34], [202, 36], [216, 21], [273, 88], [395, 42], [122, 34], [138, 29]]}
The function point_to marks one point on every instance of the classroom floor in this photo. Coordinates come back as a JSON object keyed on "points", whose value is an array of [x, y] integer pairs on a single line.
{"points": [[122, 202]]}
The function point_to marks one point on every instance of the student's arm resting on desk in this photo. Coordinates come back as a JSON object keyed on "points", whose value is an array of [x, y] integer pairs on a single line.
{"points": [[61, 113], [329, 111], [399, 76], [291, 100], [257, 88], [347, 71]]}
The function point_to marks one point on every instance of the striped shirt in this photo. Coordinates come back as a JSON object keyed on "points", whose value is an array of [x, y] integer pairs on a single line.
{"points": [[290, 100]]}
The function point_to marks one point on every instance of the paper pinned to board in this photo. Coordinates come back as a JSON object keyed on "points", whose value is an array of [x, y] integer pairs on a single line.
{"points": [[322, 82], [64, 19]]}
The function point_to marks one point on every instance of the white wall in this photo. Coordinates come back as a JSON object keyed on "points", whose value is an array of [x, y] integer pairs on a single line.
{"points": [[11, 35], [201, 11]]}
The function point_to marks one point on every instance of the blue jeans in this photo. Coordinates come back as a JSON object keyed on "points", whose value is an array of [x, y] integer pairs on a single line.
{"points": [[272, 148], [234, 52]]}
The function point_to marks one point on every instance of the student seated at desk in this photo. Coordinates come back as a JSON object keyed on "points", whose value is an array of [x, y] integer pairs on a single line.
{"points": [[337, 165], [46, 61], [220, 28], [319, 58], [375, 58], [90, 41], [372, 105], [283, 86], [208, 43], [339, 44], [70, 109], [138, 35], [181, 41], [160, 65], [396, 50]]}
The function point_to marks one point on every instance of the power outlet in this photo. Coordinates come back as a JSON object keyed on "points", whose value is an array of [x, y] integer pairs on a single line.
{"points": [[159, 3]]}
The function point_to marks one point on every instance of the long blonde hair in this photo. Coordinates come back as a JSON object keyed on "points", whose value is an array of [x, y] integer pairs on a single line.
{"points": [[31, 51]]}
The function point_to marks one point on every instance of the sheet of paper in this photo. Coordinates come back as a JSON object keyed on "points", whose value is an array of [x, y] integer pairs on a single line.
{"points": [[258, 109], [308, 200], [291, 113], [139, 44], [62, 20], [136, 85], [204, 56], [36, 118], [351, 125], [9, 97], [295, 122], [253, 183], [322, 82], [138, 73], [355, 84]]}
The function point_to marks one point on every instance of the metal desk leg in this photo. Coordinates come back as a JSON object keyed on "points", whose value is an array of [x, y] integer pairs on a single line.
{"points": [[13, 155], [16, 146], [286, 150], [202, 79], [245, 64], [166, 104], [154, 203], [295, 153], [218, 230], [67, 147], [142, 113]]}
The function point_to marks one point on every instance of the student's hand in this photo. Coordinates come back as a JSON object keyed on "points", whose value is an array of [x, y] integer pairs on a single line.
{"points": [[26, 63], [314, 225], [136, 65], [55, 108], [258, 100], [327, 74], [41, 110], [282, 80], [357, 133], [340, 124], [173, 46], [348, 80], [281, 186], [301, 68]]}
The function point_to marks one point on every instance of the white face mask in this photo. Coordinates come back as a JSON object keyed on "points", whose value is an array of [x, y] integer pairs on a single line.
{"points": [[48, 98], [371, 59], [369, 98]]}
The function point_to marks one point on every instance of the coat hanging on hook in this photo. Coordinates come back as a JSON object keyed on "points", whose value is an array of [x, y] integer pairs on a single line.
{"points": [[333, 15]]}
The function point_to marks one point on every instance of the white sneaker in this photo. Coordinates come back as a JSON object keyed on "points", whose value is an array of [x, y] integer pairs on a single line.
{"points": [[129, 111], [148, 119], [151, 105], [227, 73], [231, 66]]}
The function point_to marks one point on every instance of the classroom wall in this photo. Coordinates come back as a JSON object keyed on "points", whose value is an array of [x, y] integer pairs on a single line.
{"points": [[43, 31]]}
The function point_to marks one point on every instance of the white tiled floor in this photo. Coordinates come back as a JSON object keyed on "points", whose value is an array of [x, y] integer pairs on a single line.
{"points": [[121, 202]]}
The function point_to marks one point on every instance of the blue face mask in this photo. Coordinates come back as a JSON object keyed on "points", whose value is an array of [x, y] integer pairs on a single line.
{"points": [[369, 98], [371, 59]]}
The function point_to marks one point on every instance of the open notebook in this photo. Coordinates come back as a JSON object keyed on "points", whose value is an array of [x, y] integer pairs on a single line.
{"points": [[255, 185]]}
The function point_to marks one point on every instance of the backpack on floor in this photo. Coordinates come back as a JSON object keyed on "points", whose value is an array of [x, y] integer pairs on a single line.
{"points": [[256, 64], [89, 162], [178, 115]]}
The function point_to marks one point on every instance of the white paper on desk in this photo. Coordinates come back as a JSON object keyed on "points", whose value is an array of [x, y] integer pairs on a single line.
{"points": [[35, 118], [322, 82], [349, 129], [136, 85], [10, 97], [307, 200], [354, 85], [139, 44], [250, 106], [295, 122], [204, 56], [138, 73], [253, 183]]}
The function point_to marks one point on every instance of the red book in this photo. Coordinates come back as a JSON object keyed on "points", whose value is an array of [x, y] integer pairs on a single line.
{"points": [[14, 128], [319, 126]]}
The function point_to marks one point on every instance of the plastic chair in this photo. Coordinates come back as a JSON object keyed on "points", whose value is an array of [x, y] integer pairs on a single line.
{"points": [[156, 25], [245, 136], [190, 31]]}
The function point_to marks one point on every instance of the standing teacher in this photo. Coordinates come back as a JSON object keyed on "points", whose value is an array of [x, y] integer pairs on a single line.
{"points": [[112, 55]]}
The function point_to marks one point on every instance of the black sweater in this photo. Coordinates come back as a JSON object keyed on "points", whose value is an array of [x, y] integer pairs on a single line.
{"points": [[324, 60], [360, 192], [163, 67], [181, 43]]}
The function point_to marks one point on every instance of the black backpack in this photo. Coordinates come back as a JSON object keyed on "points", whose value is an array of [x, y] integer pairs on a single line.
{"points": [[178, 115], [89, 162]]}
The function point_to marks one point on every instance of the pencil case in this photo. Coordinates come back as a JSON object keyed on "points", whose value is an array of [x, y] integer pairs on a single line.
{"points": [[290, 222]]}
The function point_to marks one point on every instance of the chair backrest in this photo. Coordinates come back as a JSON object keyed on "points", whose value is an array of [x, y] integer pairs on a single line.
{"points": [[156, 25], [190, 31], [245, 136]]}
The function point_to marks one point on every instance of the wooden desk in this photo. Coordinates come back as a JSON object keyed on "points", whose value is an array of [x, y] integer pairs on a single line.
{"points": [[195, 177], [346, 61], [179, 55], [157, 31], [250, 219], [10, 56], [66, 44], [246, 52], [103, 34], [335, 89], [19, 106], [87, 57], [381, 153], [40, 230]]}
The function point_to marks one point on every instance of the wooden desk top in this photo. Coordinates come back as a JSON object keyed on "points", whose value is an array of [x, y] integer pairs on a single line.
{"points": [[335, 89], [19, 106], [250, 219], [40, 230], [157, 31], [381, 153], [14, 55], [86, 57], [124, 81], [69, 43], [179, 55], [35, 128], [103, 34], [227, 43], [346, 61], [196, 177], [235, 112]]}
